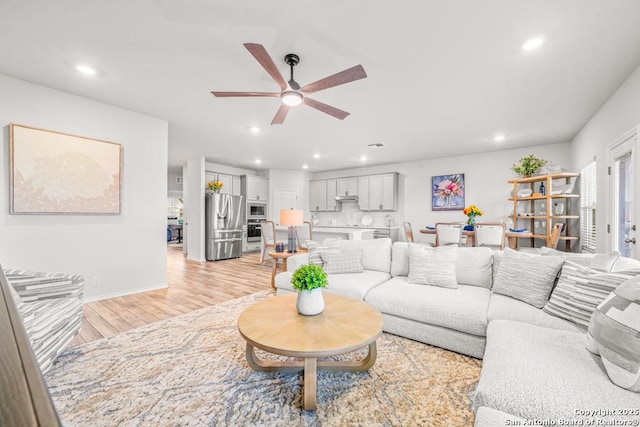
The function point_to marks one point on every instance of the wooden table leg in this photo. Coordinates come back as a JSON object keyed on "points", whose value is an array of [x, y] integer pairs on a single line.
{"points": [[273, 273], [310, 384]]}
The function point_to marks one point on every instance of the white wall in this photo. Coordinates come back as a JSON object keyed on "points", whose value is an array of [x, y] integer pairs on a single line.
{"points": [[229, 170], [486, 177], [127, 252], [173, 188], [617, 116], [289, 180], [194, 191]]}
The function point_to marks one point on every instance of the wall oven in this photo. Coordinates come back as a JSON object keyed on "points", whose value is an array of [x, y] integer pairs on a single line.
{"points": [[254, 232]]}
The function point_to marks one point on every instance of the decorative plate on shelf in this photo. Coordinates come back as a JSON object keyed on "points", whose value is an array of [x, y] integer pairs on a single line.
{"points": [[525, 192], [367, 220]]}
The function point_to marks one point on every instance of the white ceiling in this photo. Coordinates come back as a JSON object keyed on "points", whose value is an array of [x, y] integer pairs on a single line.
{"points": [[443, 76]]}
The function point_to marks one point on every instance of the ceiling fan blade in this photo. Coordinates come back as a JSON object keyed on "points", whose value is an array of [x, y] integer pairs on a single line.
{"points": [[278, 119], [262, 56], [325, 108], [346, 76], [231, 94]]}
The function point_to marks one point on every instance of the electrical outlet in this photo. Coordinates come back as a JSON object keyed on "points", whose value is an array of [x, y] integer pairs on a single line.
{"points": [[96, 281]]}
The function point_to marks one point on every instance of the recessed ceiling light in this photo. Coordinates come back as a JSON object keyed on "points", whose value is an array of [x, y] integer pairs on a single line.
{"points": [[499, 137], [258, 161], [86, 70], [316, 156], [363, 158], [305, 166], [255, 129], [532, 44]]}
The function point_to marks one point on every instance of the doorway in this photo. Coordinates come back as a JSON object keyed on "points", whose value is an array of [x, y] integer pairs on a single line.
{"points": [[623, 181], [284, 199]]}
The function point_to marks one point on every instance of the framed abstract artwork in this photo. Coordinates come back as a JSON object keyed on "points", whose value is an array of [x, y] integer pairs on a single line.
{"points": [[447, 192], [58, 173]]}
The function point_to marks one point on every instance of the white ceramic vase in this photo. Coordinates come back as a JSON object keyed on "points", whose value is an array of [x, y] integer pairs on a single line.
{"points": [[310, 302]]}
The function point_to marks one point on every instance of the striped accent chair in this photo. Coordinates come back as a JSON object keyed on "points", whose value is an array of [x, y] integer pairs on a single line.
{"points": [[51, 309]]}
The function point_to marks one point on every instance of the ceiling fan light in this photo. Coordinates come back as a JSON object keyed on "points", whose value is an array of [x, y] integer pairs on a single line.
{"points": [[291, 98]]}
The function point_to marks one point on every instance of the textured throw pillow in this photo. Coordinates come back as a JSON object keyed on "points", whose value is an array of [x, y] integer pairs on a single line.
{"points": [[327, 245], [526, 277], [580, 289], [342, 262], [376, 253], [614, 334], [400, 259], [433, 266]]}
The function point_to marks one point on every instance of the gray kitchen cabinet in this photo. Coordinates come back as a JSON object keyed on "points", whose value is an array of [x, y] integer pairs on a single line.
{"points": [[332, 204], [383, 192], [257, 188], [347, 186], [318, 196], [363, 193]]}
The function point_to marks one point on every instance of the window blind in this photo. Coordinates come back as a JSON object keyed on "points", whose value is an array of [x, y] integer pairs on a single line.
{"points": [[588, 207]]}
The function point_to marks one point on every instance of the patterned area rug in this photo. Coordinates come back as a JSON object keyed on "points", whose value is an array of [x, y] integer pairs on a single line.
{"points": [[191, 370]]}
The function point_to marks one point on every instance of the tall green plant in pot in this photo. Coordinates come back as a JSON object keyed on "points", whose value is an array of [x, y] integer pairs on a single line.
{"points": [[309, 280], [528, 165]]}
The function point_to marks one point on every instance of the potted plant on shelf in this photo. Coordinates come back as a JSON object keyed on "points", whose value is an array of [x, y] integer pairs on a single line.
{"points": [[308, 281], [528, 165]]}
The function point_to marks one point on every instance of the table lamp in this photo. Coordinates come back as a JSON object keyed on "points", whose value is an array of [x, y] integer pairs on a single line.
{"points": [[292, 218]]}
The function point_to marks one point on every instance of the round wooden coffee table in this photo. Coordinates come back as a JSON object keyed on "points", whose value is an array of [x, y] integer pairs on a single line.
{"points": [[346, 324]]}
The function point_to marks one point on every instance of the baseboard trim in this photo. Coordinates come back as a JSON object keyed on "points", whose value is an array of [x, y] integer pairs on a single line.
{"points": [[124, 293]]}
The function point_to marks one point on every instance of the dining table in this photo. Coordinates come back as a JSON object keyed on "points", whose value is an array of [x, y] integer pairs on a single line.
{"points": [[512, 236]]}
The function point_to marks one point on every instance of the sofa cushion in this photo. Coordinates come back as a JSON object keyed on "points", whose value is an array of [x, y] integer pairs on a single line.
{"points": [[614, 334], [502, 307], [541, 373], [342, 262], [463, 309], [526, 277], [474, 266], [433, 266], [376, 253], [604, 261], [354, 285], [580, 289]]}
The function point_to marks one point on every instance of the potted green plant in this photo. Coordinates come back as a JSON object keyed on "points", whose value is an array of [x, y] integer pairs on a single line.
{"points": [[308, 281], [528, 165]]}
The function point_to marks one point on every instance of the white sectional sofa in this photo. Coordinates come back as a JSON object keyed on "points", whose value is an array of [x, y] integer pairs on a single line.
{"points": [[535, 367]]}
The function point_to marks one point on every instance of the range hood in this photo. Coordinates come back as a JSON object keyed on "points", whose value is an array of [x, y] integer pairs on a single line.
{"points": [[347, 198]]}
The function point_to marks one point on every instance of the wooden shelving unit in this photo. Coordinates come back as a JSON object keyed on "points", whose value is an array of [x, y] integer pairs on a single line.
{"points": [[556, 192]]}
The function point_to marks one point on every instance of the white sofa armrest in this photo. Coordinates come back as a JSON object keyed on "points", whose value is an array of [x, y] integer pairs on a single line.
{"points": [[296, 261]]}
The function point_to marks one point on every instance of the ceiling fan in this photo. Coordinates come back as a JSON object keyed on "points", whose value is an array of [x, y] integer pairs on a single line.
{"points": [[291, 93]]}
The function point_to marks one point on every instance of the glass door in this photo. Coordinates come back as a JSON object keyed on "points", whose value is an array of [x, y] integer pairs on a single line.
{"points": [[623, 172]]}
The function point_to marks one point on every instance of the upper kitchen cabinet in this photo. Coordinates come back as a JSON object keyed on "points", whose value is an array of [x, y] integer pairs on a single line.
{"points": [[255, 187], [226, 180], [332, 203], [347, 186], [318, 196], [383, 192], [237, 187], [363, 193]]}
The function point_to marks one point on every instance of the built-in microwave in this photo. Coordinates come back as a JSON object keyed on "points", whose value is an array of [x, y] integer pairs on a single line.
{"points": [[256, 210]]}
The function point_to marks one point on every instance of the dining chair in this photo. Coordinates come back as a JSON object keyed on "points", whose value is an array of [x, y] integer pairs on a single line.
{"points": [[554, 237], [448, 233], [491, 234], [268, 236], [304, 234], [408, 232]]}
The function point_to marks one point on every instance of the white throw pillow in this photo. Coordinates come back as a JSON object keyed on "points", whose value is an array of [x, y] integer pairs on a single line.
{"points": [[400, 259], [433, 266], [527, 277], [604, 262], [474, 267], [376, 253], [342, 262]]}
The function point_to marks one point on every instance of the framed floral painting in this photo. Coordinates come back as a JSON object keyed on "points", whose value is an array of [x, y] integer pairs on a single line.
{"points": [[447, 192]]}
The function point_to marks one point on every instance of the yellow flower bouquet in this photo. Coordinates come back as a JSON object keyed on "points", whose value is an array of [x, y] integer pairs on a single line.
{"points": [[215, 186], [472, 212]]}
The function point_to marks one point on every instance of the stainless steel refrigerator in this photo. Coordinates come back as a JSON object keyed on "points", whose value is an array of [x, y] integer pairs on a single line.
{"points": [[223, 224]]}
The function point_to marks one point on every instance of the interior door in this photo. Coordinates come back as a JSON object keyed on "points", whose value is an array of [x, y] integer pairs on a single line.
{"points": [[284, 199], [623, 174]]}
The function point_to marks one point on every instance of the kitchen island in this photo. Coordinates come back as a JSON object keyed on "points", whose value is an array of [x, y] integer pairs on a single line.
{"points": [[320, 233]]}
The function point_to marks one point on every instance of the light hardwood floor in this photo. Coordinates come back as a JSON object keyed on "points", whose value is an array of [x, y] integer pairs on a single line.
{"points": [[192, 285]]}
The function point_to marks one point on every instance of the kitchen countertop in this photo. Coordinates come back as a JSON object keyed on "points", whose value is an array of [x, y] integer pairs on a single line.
{"points": [[332, 229], [358, 227]]}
